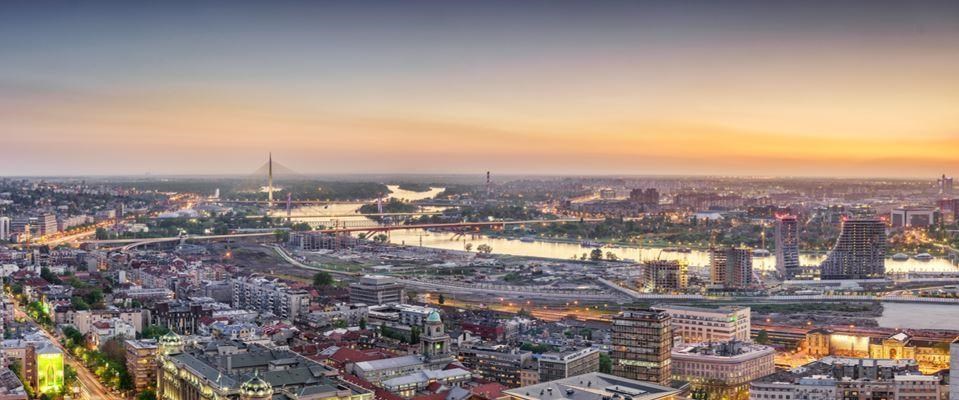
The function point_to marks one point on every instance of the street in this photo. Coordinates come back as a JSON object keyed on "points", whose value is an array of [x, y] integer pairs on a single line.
{"points": [[90, 387]]}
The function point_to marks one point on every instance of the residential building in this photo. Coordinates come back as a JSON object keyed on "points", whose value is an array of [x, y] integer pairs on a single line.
{"points": [[859, 252], [497, 363], [700, 324], [722, 369], [270, 296], [641, 345], [553, 366], [313, 241], [593, 386], [665, 275], [832, 378], [142, 363], [731, 268], [787, 245], [377, 290]]}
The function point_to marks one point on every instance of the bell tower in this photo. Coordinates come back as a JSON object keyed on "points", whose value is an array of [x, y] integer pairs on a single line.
{"points": [[435, 341]]}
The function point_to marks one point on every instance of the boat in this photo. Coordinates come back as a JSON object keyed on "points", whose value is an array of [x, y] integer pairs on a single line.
{"points": [[527, 239], [760, 253], [900, 257], [924, 257], [591, 244], [677, 250]]}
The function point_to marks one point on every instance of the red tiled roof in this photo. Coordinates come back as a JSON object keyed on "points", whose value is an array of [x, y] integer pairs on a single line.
{"points": [[490, 390], [346, 355]]}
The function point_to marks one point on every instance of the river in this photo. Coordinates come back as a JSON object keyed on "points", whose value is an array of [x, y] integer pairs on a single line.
{"points": [[696, 258], [565, 251], [919, 316]]}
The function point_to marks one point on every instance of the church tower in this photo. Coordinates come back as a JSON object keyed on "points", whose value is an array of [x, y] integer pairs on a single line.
{"points": [[435, 341]]}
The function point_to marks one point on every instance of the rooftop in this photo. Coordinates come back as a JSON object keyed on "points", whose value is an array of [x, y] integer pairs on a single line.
{"points": [[592, 386]]}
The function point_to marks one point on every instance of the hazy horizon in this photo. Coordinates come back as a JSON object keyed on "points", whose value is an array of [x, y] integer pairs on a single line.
{"points": [[619, 88]]}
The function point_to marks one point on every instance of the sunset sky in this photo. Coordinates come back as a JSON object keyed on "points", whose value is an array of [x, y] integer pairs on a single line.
{"points": [[810, 88]]}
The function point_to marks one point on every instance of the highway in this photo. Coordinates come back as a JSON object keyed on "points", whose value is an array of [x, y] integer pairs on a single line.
{"points": [[90, 386]]}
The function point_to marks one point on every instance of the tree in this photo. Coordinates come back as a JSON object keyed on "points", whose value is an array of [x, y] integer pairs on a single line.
{"points": [[441, 299], [762, 337], [363, 324], [102, 234], [468, 247], [49, 276], [484, 248], [79, 304], [322, 279], [282, 236], [301, 227], [605, 363], [154, 331], [414, 335], [147, 395], [611, 256], [381, 238], [596, 254]]}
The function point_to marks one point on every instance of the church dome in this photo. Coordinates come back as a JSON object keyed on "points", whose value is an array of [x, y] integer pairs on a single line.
{"points": [[256, 387], [433, 317]]}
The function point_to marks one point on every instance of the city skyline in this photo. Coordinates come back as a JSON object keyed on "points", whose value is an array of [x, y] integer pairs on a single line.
{"points": [[552, 88]]}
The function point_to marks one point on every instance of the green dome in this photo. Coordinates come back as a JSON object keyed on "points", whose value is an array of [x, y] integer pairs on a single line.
{"points": [[170, 339], [256, 387], [433, 317]]}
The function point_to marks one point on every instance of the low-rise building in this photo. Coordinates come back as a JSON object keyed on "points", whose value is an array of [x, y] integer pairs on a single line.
{"points": [[553, 366], [498, 363], [592, 386], [723, 369], [698, 324], [377, 290], [234, 370], [832, 378], [270, 296]]}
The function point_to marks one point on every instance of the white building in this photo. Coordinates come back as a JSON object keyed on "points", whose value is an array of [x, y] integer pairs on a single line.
{"points": [[271, 296], [4, 228], [697, 325], [728, 364]]}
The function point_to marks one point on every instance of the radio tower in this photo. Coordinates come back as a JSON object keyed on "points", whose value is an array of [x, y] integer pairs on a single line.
{"points": [[269, 201]]}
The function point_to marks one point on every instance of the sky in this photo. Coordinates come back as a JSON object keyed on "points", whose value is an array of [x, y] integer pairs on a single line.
{"points": [[786, 88]]}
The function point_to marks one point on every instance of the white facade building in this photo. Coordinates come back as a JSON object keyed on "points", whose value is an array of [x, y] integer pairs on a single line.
{"points": [[697, 325]]}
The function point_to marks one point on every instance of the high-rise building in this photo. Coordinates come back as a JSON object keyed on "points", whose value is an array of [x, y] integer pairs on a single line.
{"points": [[665, 275], [945, 184], [641, 344], [142, 363], [5, 228], [376, 290], [47, 224], [787, 245], [731, 267], [859, 252]]}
